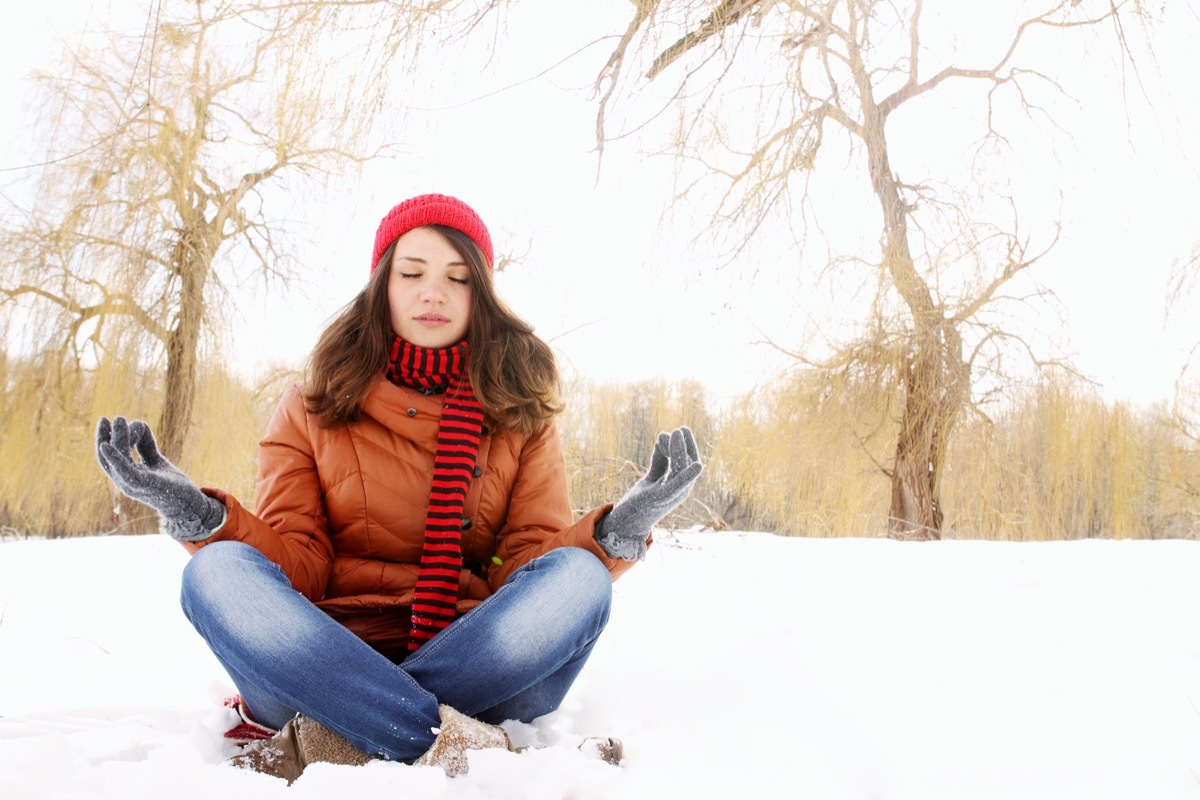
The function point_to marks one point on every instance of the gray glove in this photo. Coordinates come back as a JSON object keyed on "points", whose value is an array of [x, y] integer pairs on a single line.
{"points": [[674, 467], [188, 515]]}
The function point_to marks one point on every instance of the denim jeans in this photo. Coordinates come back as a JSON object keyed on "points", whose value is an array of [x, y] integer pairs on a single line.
{"points": [[514, 656]]}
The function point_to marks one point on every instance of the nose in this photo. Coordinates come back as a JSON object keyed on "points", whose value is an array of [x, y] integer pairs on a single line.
{"points": [[433, 292]]}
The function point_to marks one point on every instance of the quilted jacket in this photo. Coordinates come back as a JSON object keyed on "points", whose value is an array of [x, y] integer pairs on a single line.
{"points": [[342, 509]]}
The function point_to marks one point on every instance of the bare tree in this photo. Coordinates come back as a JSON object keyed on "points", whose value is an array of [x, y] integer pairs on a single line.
{"points": [[174, 153], [834, 74]]}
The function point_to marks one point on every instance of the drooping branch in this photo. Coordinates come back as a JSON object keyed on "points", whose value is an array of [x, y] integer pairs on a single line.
{"points": [[611, 72]]}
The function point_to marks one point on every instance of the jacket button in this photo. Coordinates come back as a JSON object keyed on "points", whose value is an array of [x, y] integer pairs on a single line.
{"points": [[465, 524], [477, 471], [412, 412]]}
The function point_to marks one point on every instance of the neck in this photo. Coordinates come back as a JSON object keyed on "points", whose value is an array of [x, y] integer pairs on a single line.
{"points": [[426, 369]]}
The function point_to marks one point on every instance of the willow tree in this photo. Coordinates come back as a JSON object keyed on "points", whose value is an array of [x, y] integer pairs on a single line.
{"points": [[771, 93], [176, 150]]}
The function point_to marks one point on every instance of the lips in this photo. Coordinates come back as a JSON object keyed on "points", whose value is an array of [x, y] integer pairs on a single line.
{"points": [[432, 319]]}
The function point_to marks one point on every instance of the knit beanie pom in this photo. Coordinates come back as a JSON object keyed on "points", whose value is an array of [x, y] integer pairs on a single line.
{"points": [[431, 209]]}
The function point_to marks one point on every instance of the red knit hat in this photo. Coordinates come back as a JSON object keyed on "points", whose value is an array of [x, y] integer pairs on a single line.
{"points": [[431, 209]]}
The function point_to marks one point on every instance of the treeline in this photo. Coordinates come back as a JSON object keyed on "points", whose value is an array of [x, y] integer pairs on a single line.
{"points": [[807, 457], [802, 458], [52, 486]]}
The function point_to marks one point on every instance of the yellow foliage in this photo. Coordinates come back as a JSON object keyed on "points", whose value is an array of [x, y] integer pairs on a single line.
{"points": [[1063, 464], [52, 484], [810, 459], [804, 457], [609, 431]]}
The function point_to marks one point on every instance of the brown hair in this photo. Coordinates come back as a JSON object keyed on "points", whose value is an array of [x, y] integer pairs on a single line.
{"points": [[512, 371]]}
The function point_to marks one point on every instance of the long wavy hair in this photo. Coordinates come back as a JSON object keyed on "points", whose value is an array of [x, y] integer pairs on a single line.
{"points": [[512, 371]]}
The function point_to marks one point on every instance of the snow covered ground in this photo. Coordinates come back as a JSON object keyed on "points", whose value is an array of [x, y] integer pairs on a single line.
{"points": [[735, 665]]}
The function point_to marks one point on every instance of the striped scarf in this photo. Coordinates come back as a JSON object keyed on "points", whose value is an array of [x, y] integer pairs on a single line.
{"points": [[439, 371]]}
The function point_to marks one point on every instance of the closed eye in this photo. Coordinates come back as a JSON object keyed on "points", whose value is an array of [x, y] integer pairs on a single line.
{"points": [[415, 275]]}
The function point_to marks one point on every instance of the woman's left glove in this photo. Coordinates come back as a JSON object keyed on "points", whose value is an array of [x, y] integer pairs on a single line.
{"points": [[188, 515], [674, 467]]}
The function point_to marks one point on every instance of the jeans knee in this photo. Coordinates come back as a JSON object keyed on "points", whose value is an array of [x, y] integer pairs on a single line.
{"points": [[209, 571], [585, 575]]}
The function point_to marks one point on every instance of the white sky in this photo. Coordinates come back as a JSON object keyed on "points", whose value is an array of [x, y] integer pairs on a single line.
{"points": [[619, 301]]}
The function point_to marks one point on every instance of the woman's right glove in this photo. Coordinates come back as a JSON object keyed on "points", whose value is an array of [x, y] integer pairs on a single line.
{"points": [[674, 467], [188, 515]]}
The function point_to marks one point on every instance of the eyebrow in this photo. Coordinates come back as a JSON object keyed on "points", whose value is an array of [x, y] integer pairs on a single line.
{"points": [[419, 260]]}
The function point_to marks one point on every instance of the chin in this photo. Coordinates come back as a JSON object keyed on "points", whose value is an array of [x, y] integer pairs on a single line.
{"points": [[430, 339]]}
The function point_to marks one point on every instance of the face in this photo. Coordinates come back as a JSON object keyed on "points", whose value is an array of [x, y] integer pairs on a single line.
{"points": [[429, 290]]}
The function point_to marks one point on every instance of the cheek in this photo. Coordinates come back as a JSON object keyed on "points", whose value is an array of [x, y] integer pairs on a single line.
{"points": [[397, 302], [400, 295], [462, 302]]}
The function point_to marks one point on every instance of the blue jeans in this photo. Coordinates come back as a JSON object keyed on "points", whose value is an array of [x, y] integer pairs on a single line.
{"points": [[514, 656]]}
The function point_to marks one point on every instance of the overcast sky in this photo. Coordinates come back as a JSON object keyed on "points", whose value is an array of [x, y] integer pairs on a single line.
{"points": [[620, 300]]}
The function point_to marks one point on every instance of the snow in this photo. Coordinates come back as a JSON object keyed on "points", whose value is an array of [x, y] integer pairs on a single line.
{"points": [[735, 664]]}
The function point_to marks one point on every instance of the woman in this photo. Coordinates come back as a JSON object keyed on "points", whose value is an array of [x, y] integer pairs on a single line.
{"points": [[413, 575]]}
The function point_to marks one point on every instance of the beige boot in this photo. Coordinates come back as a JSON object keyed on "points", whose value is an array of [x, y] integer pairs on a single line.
{"points": [[606, 748], [458, 735], [300, 742]]}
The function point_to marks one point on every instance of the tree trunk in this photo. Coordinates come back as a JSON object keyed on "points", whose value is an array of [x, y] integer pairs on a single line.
{"points": [[933, 385], [916, 511], [183, 344]]}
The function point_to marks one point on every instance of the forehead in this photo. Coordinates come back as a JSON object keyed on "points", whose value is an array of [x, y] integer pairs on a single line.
{"points": [[427, 244]]}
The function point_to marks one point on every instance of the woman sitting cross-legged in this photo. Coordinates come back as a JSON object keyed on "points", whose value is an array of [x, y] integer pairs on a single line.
{"points": [[413, 574]]}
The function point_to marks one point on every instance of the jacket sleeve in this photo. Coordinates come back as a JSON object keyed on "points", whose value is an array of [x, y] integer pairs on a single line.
{"points": [[290, 527], [539, 513]]}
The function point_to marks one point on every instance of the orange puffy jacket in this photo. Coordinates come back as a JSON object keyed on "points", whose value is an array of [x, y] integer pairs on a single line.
{"points": [[342, 509]]}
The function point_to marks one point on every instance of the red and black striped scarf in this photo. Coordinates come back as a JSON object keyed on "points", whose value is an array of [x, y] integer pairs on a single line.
{"points": [[436, 371]]}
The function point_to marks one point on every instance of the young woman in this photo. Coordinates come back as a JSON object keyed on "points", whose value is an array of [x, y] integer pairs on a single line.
{"points": [[413, 574]]}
